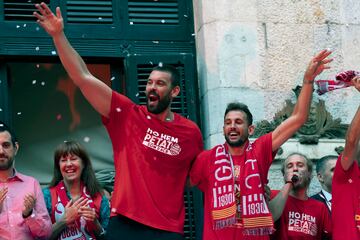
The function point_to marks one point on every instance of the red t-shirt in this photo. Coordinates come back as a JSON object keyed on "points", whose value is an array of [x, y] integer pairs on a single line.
{"points": [[345, 198], [200, 175], [302, 219], [152, 159]]}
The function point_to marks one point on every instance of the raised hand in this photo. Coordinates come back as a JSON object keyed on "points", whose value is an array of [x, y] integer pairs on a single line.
{"points": [[71, 213], [29, 204], [52, 24], [356, 82], [3, 194], [317, 65]]}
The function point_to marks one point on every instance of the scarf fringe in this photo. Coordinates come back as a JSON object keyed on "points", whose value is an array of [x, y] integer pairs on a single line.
{"points": [[220, 224], [258, 231]]}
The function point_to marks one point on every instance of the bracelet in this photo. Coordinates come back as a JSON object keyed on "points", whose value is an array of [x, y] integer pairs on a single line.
{"points": [[308, 81], [289, 182]]}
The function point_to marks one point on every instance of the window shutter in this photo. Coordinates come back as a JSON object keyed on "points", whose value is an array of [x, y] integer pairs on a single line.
{"points": [[20, 10], [164, 12], [89, 11]]}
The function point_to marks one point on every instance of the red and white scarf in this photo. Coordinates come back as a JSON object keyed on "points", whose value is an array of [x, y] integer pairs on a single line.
{"points": [[77, 230], [256, 218]]}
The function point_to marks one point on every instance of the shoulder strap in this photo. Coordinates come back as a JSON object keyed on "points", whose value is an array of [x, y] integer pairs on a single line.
{"points": [[53, 195]]}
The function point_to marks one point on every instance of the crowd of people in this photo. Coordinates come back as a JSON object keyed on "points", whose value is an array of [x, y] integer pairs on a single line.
{"points": [[157, 151]]}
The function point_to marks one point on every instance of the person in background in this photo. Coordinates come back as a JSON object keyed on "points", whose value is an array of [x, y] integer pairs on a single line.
{"points": [[23, 213], [346, 183], [297, 216], [325, 170], [74, 198]]}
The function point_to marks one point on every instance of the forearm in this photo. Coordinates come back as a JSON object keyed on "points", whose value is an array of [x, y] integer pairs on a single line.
{"points": [[351, 142], [302, 106], [277, 204], [71, 60]]}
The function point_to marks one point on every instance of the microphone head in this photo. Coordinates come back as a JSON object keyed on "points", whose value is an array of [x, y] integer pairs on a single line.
{"points": [[295, 178]]}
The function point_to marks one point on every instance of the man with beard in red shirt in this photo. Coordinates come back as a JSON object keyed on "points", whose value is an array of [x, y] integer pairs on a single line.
{"points": [[153, 147]]}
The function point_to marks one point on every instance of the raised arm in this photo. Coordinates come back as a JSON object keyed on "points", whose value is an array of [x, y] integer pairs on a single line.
{"points": [[352, 135], [94, 90], [301, 110]]}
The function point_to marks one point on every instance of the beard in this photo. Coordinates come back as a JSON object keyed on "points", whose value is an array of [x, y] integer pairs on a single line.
{"points": [[6, 165], [162, 104], [240, 142]]}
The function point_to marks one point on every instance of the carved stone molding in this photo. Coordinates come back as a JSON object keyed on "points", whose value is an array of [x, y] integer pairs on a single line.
{"points": [[320, 123]]}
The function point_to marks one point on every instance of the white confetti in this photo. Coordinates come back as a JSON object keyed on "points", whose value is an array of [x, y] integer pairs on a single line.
{"points": [[100, 18], [160, 64], [86, 139], [37, 65], [37, 28], [112, 79], [37, 48], [34, 82], [24, 25], [42, 83], [156, 42], [118, 109], [193, 34], [0, 109], [137, 95], [151, 63], [131, 23], [162, 21], [148, 117], [17, 26], [53, 52], [1, 125], [186, 16], [18, 113]]}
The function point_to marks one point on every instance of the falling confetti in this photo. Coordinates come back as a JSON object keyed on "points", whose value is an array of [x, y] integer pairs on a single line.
{"points": [[58, 117], [18, 113], [37, 28], [37, 65], [162, 21], [186, 16], [148, 117], [151, 63], [160, 64], [137, 95], [131, 23], [24, 25], [86, 139], [37, 48], [42, 83], [0, 109], [53, 52], [1, 125], [156, 42], [34, 82], [100, 18], [193, 34], [118, 109], [112, 79], [17, 26]]}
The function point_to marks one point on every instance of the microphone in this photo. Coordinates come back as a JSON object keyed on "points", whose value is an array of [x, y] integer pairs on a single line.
{"points": [[295, 178]]}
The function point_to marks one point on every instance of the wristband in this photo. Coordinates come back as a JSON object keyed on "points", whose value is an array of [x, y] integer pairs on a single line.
{"points": [[289, 182]]}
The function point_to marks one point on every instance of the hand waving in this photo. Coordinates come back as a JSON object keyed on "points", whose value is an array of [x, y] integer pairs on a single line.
{"points": [[52, 24], [317, 65]]}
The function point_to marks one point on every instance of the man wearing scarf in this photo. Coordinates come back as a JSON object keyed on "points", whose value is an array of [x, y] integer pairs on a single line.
{"points": [[346, 183], [232, 175]]}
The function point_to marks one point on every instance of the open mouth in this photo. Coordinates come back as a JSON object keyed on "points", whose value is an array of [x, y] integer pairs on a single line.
{"points": [[153, 98]]}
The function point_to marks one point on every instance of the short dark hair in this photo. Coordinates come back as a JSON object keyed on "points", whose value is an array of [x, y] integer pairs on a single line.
{"points": [[237, 106], [309, 163], [4, 127], [174, 73], [320, 164], [87, 175]]}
